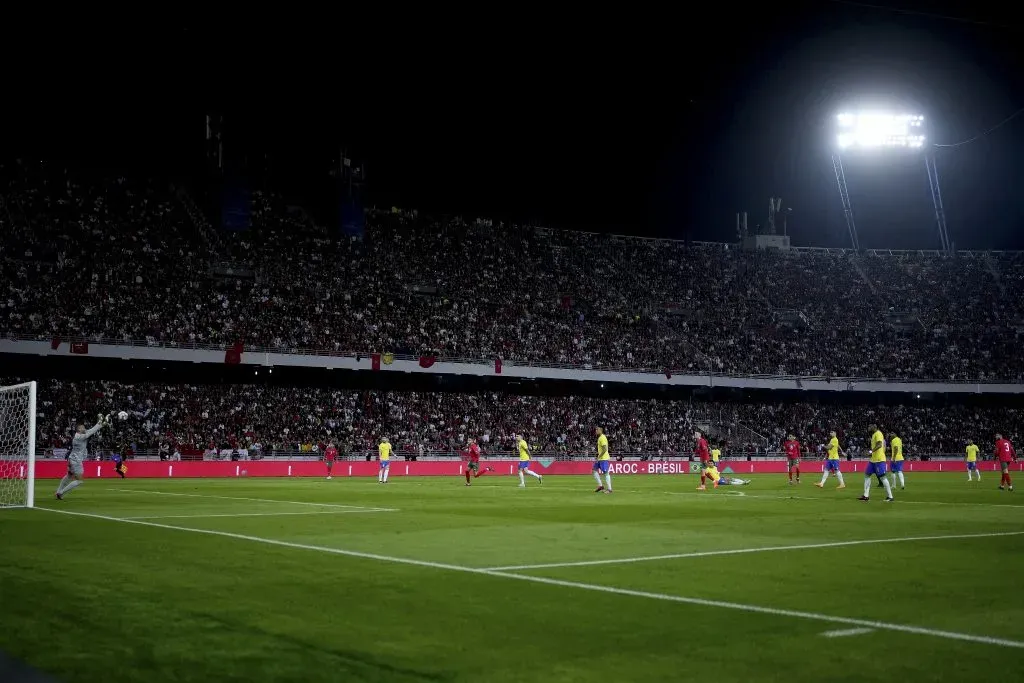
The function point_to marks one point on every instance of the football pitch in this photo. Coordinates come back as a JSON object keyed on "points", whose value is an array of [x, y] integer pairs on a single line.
{"points": [[429, 580]]}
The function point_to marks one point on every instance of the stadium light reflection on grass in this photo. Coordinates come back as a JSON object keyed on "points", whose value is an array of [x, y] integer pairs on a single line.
{"points": [[880, 130]]}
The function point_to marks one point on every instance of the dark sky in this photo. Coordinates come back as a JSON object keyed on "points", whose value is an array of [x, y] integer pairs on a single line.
{"points": [[656, 124]]}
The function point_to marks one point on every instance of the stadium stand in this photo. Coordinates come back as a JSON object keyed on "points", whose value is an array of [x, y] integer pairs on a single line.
{"points": [[124, 261], [290, 420]]}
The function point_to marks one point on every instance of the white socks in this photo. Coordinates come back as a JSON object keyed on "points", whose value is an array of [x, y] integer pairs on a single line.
{"points": [[608, 478], [971, 473], [67, 478], [839, 476], [73, 484], [885, 483], [597, 478], [902, 484], [522, 480]]}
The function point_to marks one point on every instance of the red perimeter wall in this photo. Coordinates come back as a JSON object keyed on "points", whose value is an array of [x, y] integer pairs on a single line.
{"points": [[54, 469]]}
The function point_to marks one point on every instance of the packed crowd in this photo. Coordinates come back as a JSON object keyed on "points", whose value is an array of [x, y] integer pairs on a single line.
{"points": [[270, 419], [113, 259]]}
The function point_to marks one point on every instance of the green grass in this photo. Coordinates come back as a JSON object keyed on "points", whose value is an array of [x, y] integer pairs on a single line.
{"points": [[90, 599]]}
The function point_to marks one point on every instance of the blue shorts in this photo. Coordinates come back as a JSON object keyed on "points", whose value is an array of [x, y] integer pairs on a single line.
{"points": [[602, 466], [524, 464], [896, 466], [972, 465], [384, 464], [832, 465], [875, 468]]}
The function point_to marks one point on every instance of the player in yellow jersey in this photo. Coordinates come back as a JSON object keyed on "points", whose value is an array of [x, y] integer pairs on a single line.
{"points": [[832, 453], [602, 463], [876, 465], [972, 460], [524, 461], [384, 456], [896, 466], [716, 455]]}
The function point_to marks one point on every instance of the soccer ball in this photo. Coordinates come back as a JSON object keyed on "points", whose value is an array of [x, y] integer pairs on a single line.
{"points": [[122, 416]]}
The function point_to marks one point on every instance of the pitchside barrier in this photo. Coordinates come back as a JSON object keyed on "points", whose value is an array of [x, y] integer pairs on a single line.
{"points": [[342, 468]]}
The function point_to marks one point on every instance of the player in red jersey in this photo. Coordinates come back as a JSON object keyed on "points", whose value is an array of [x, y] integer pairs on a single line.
{"points": [[330, 455], [792, 448], [473, 466], [1005, 455], [708, 470]]}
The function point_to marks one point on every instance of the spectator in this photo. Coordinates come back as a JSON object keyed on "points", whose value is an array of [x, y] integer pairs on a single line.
{"points": [[114, 259], [182, 417]]}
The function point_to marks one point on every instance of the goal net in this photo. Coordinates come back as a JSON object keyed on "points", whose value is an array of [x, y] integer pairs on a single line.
{"points": [[17, 445]]}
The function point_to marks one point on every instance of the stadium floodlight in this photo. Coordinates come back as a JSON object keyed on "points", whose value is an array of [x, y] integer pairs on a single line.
{"points": [[885, 131], [880, 130]]}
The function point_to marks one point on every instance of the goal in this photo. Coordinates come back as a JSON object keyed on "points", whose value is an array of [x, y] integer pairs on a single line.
{"points": [[18, 445]]}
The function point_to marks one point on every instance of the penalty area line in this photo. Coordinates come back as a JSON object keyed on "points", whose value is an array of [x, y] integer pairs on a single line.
{"points": [[745, 551], [266, 514], [824, 498], [844, 632], [612, 590], [252, 500]]}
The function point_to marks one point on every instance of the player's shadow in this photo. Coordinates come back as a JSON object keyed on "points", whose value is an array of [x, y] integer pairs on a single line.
{"points": [[14, 671], [357, 664]]}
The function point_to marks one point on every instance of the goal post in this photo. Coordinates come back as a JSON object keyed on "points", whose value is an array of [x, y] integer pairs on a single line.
{"points": [[18, 445]]}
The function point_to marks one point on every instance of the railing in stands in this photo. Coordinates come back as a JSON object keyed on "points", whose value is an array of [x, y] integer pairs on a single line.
{"points": [[654, 456], [222, 346]]}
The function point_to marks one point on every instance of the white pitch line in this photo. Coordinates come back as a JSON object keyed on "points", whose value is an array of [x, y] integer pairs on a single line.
{"points": [[254, 500], [264, 514], [940, 502], [842, 633], [744, 551], [730, 494], [900, 501], [755, 609]]}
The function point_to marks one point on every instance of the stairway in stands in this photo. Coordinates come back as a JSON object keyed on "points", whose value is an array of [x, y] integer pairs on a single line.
{"points": [[994, 270], [211, 240], [855, 262]]}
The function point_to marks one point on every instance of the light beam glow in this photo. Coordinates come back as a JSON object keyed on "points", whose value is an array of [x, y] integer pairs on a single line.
{"points": [[880, 130]]}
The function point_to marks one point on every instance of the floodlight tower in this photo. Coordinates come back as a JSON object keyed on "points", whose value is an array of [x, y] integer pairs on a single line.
{"points": [[940, 211], [886, 132], [844, 196]]}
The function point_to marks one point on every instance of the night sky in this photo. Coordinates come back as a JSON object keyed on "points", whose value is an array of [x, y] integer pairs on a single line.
{"points": [[662, 125]]}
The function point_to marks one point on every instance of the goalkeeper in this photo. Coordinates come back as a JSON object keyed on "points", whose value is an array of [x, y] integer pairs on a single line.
{"points": [[77, 456]]}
